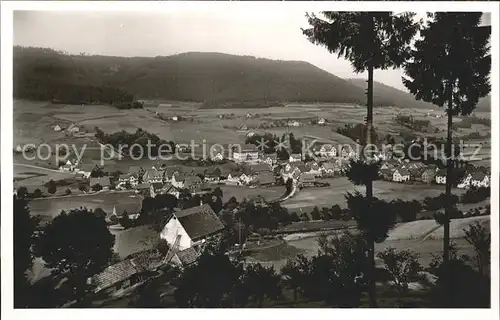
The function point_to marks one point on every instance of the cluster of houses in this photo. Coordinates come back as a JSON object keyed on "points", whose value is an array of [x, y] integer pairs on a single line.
{"points": [[71, 130], [393, 170], [186, 232]]}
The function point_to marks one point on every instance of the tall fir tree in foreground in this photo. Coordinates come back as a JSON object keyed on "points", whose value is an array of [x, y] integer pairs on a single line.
{"points": [[450, 68], [369, 40]]}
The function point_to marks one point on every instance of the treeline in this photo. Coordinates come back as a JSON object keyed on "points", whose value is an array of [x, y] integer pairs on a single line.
{"points": [[467, 122], [219, 80], [140, 138], [270, 144], [45, 74], [336, 276], [414, 124], [357, 132], [65, 93]]}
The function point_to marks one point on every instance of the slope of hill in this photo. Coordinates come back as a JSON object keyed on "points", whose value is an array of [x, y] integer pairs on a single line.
{"points": [[213, 78], [404, 99]]}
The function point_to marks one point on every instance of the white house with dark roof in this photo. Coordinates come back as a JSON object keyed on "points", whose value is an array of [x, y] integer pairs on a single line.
{"points": [[325, 150], [441, 177], [290, 172], [327, 169], [248, 153], [270, 159], [217, 156], [347, 152], [123, 179], [178, 179], [245, 179], [153, 176], [192, 182], [192, 227], [314, 168], [480, 179], [295, 157], [401, 175]]}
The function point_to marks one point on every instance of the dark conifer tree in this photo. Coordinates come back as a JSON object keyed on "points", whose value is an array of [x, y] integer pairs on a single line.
{"points": [[369, 40], [450, 68]]}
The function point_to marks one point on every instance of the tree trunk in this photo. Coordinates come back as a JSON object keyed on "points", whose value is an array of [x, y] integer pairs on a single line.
{"points": [[449, 168], [295, 294], [372, 290], [369, 106]]}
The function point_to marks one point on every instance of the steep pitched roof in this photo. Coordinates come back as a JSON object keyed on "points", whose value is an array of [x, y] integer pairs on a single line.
{"points": [[166, 187], [327, 147], [188, 256], [123, 270], [125, 176], [429, 172], [249, 148], [303, 168], [135, 240], [403, 171], [328, 166], [313, 165], [478, 176], [115, 273], [199, 221], [153, 175]]}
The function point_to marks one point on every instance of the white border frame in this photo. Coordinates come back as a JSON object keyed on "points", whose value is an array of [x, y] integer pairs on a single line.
{"points": [[7, 9]]}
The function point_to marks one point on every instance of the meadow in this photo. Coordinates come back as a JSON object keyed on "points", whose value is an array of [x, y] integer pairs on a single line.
{"points": [[423, 237], [307, 198], [207, 125], [48, 209]]}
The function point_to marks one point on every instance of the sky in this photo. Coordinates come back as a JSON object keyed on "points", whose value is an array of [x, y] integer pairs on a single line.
{"points": [[272, 35]]}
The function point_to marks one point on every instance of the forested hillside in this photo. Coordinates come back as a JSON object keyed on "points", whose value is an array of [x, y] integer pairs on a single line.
{"points": [[216, 79]]}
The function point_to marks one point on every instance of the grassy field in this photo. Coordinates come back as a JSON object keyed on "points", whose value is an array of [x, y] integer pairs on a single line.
{"points": [[206, 125], [31, 176], [307, 198], [240, 192], [50, 208], [412, 235]]}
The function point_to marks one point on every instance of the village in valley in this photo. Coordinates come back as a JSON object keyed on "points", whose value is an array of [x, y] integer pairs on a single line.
{"points": [[191, 202]]}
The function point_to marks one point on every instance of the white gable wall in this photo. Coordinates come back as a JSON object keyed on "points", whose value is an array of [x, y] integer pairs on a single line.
{"points": [[170, 232]]}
